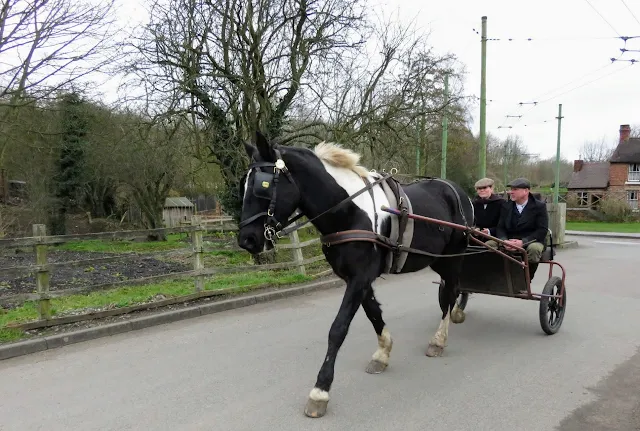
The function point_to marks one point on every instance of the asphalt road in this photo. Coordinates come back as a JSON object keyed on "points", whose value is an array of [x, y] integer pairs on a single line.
{"points": [[252, 368]]}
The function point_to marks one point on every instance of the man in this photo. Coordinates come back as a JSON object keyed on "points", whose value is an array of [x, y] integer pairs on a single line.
{"points": [[524, 222], [486, 207]]}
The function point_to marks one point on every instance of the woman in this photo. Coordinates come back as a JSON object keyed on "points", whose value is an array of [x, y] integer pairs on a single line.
{"points": [[486, 207]]}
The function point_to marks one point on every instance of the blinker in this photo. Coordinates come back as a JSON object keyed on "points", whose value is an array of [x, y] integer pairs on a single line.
{"points": [[262, 185]]}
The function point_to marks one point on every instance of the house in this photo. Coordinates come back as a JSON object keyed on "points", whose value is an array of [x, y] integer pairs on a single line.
{"points": [[177, 211], [589, 182], [619, 177], [624, 168]]}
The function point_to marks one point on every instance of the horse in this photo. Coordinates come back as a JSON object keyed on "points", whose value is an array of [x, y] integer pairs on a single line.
{"points": [[328, 186]]}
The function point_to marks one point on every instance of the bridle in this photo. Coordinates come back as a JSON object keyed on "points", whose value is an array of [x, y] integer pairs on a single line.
{"points": [[265, 186]]}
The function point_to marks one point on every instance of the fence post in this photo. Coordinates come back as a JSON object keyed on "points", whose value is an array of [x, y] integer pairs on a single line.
{"points": [[42, 274], [198, 258], [297, 251]]}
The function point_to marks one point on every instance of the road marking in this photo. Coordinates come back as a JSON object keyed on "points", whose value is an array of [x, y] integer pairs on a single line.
{"points": [[618, 242]]}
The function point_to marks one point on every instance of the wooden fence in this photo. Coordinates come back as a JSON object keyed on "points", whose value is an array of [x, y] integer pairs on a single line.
{"points": [[43, 269]]}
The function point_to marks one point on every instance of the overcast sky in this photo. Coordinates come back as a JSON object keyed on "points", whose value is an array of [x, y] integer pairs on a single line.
{"points": [[571, 46]]}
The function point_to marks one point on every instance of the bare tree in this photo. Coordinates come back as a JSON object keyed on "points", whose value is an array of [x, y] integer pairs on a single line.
{"points": [[387, 102], [241, 63], [46, 46], [596, 151]]}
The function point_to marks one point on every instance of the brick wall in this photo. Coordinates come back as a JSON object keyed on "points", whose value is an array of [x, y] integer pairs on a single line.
{"points": [[618, 173]]}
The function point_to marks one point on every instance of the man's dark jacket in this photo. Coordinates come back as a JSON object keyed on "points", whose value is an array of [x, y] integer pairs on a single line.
{"points": [[487, 212], [532, 224]]}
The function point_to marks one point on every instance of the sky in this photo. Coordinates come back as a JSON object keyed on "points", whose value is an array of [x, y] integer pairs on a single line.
{"points": [[568, 62]]}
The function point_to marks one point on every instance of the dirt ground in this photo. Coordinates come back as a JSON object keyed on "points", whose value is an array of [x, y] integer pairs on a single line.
{"points": [[127, 267], [66, 277]]}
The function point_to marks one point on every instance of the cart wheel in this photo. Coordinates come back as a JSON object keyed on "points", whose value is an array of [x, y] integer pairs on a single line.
{"points": [[462, 298], [551, 313]]}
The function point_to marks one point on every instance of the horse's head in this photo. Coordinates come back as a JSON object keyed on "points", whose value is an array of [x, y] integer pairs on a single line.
{"points": [[270, 196]]}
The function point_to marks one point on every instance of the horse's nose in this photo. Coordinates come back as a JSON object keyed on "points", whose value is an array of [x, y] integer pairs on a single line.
{"points": [[250, 243]]}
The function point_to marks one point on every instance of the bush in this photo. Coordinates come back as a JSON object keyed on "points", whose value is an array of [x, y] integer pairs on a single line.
{"points": [[615, 210]]}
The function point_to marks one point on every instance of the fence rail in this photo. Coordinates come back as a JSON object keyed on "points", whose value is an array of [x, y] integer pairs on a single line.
{"points": [[43, 269]]}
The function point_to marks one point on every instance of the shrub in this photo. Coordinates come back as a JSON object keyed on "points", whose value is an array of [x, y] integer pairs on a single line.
{"points": [[615, 210]]}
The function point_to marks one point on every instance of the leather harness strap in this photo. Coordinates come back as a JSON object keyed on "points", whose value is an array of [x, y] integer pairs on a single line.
{"points": [[372, 237]]}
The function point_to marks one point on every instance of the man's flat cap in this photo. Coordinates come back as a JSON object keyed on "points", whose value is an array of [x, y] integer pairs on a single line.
{"points": [[520, 183], [484, 182]]}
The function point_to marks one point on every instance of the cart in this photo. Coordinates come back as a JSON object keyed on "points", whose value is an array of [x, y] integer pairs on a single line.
{"points": [[504, 272]]}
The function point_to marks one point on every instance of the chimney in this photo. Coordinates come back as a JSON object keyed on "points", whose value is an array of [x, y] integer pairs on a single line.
{"points": [[625, 132], [577, 165]]}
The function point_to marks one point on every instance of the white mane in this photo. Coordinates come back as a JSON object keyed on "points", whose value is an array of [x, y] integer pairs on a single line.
{"points": [[340, 157], [343, 165]]}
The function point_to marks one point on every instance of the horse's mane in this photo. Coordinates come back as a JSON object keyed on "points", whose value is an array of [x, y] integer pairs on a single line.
{"points": [[340, 157]]}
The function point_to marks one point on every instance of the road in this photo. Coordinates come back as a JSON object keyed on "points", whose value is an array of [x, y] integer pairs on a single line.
{"points": [[252, 368]]}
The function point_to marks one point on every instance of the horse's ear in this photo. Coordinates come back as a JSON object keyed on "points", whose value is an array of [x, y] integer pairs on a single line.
{"points": [[264, 148], [250, 149]]}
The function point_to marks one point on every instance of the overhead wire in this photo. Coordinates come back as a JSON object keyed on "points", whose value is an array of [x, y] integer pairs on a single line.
{"points": [[536, 101], [603, 18], [630, 11]]}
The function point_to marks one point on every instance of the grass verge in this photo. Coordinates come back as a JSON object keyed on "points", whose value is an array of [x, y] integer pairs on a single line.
{"points": [[131, 295], [174, 241], [631, 227]]}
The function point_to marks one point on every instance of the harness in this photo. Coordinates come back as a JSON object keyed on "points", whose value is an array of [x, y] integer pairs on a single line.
{"points": [[264, 186]]}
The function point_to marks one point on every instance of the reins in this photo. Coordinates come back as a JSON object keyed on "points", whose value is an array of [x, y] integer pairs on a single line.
{"points": [[273, 228]]}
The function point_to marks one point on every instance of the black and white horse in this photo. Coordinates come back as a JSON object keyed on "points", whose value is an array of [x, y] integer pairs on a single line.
{"points": [[282, 180]]}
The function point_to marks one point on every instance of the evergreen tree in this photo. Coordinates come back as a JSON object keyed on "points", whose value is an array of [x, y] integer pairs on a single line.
{"points": [[66, 183]]}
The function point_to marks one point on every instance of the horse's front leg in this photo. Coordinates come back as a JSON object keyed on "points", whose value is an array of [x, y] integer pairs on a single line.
{"points": [[319, 397], [380, 359]]}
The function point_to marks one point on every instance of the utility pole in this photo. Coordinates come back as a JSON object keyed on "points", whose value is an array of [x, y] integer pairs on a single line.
{"points": [[505, 162], [482, 159], [421, 133], [556, 188], [445, 128]]}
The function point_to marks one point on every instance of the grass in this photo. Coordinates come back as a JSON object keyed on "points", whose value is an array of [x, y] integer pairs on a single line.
{"points": [[174, 241], [548, 190], [593, 226], [131, 295]]}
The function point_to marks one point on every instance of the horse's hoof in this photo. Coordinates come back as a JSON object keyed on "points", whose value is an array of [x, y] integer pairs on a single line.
{"points": [[315, 409], [458, 316], [434, 351], [375, 367]]}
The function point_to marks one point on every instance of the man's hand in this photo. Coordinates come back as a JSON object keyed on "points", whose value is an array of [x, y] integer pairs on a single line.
{"points": [[511, 243]]}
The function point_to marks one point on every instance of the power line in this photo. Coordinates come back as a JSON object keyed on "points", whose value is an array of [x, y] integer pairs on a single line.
{"points": [[555, 39], [632, 14], [528, 124], [590, 82], [536, 101], [605, 20]]}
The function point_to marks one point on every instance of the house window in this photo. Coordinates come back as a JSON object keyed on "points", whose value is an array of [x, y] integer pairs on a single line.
{"points": [[583, 198], [634, 172], [632, 198]]}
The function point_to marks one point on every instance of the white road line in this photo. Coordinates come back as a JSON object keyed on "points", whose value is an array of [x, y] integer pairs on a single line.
{"points": [[618, 242]]}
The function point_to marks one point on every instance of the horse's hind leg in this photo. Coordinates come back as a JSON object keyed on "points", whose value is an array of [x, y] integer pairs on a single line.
{"points": [[380, 359], [319, 396], [449, 271], [457, 314]]}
